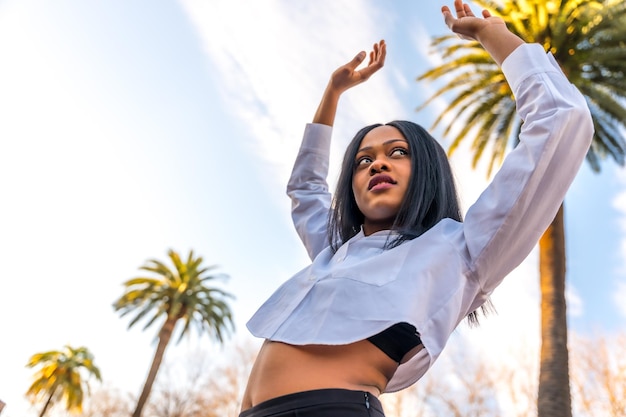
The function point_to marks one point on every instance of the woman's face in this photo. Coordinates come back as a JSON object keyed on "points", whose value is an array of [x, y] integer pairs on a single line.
{"points": [[381, 177]]}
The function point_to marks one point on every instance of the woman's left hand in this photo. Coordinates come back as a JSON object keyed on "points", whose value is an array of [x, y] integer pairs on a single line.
{"points": [[466, 25]]}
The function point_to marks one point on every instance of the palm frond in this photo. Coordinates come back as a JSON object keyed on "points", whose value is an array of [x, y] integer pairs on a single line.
{"points": [[179, 293], [588, 40], [60, 378]]}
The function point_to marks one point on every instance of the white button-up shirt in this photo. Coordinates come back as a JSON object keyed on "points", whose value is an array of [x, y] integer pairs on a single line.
{"points": [[435, 280]]}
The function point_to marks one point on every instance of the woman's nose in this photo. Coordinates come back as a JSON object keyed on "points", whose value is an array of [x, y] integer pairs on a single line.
{"points": [[378, 166]]}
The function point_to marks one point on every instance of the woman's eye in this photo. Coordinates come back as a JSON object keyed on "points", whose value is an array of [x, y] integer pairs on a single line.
{"points": [[399, 152], [364, 160]]}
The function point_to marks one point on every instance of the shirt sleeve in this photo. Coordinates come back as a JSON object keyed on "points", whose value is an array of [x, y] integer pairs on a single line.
{"points": [[308, 189], [510, 216]]}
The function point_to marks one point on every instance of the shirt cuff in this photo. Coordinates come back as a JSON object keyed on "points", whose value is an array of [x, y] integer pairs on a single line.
{"points": [[317, 138], [526, 60]]}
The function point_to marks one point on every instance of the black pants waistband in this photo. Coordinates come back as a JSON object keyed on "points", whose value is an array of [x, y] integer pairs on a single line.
{"points": [[319, 402]]}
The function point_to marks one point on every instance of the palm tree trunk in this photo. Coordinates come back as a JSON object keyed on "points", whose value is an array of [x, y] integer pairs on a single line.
{"points": [[48, 401], [165, 334], [554, 398]]}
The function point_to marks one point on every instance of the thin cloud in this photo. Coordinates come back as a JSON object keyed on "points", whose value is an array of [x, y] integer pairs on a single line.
{"points": [[575, 303], [619, 298], [275, 57], [619, 204]]}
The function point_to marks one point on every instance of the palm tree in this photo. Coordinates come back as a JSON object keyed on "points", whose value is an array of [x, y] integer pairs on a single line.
{"points": [[59, 377], [171, 296], [588, 40]]}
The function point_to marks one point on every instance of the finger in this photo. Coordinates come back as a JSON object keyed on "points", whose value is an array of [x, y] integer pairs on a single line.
{"points": [[447, 16], [373, 54], [459, 7], [376, 62], [486, 14], [468, 10], [382, 52], [380, 49], [357, 60]]}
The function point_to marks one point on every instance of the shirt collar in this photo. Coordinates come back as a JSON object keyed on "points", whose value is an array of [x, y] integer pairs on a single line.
{"points": [[382, 233]]}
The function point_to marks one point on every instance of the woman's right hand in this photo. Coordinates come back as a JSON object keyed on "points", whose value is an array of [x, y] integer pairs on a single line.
{"points": [[345, 77], [348, 76]]}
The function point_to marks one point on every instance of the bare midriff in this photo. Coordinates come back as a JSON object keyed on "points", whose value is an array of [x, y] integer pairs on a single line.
{"points": [[282, 369]]}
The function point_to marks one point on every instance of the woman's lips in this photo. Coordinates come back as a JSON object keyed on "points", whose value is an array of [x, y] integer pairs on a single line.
{"points": [[380, 182]]}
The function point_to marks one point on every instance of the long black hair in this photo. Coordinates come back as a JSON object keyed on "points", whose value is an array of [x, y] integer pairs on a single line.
{"points": [[430, 197]]}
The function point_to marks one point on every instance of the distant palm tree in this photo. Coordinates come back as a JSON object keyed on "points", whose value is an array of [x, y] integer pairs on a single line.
{"points": [[170, 296], [59, 377], [588, 40]]}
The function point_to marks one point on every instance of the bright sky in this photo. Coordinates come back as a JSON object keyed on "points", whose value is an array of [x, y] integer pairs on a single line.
{"points": [[128, 128]]}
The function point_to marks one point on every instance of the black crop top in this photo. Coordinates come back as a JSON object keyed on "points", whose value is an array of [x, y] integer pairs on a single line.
{"points": [[397, 340]]}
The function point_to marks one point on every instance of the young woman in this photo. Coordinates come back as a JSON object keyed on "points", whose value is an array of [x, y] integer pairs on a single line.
{"points": [[394, 268]]}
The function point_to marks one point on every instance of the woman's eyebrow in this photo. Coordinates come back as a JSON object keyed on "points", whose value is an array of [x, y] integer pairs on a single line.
{"points": [[367, 148]]}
